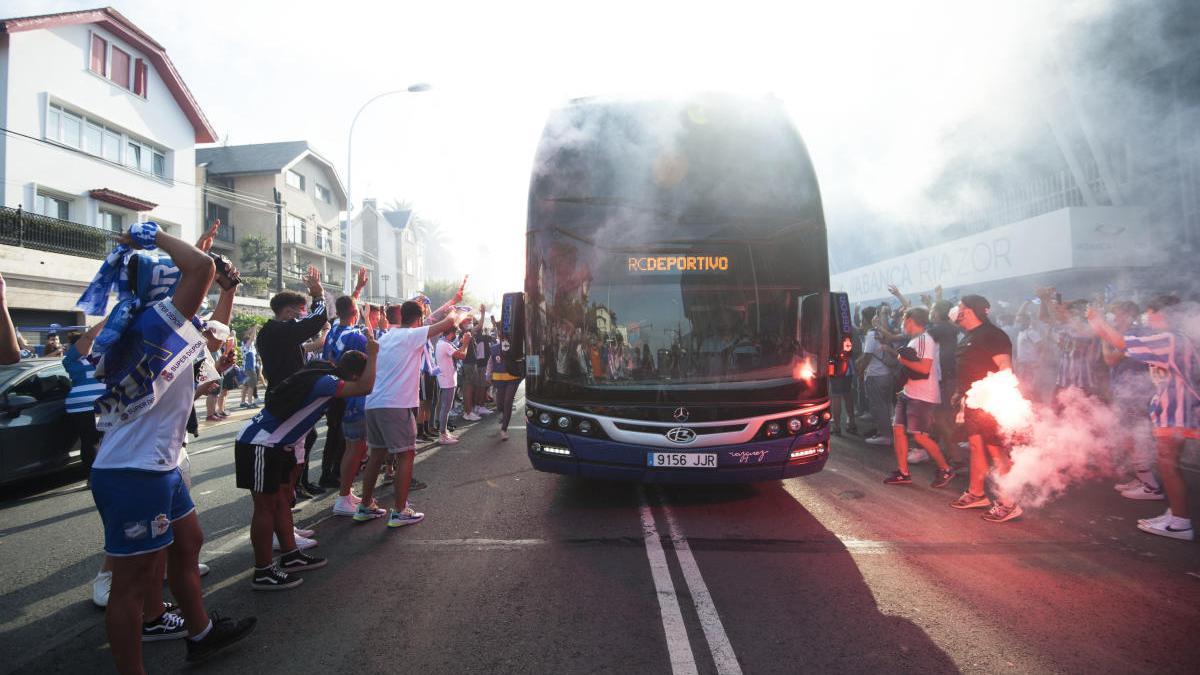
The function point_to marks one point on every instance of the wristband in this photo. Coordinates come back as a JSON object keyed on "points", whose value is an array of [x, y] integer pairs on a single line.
{"points": [[145, 235]]}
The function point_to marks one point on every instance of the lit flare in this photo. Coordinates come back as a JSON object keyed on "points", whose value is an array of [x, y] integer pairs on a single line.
{"points": [[999, 395]]}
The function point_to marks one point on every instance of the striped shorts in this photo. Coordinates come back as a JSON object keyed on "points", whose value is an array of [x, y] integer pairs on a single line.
{"points": [[261, 468]]}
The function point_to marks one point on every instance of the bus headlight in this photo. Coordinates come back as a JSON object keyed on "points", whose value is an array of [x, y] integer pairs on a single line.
{"points": [[773, 429], [564, 422], [530, 412], [544, 419], [794, 425], [812, 420], [585, 427]]}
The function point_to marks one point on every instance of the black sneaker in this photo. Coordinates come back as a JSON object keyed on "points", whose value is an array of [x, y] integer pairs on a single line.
{"points": [[302, 494], [166, 627], [898, 478], [224, 632], [415, 484], [314, 490], [299, 561], [273, 579], [942, 478]]}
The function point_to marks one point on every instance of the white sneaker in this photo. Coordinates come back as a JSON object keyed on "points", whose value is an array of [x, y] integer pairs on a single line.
{"points": [[355, 498], [447, 439], [879, 440], [344, 506], [471, 417], [302, 543], [1144, 492], [203, 569], [301, 532], [1162, 519], [503, 435], [1166, 528], [101, 587], [1128, 485], [917, 456], [481, 410]]}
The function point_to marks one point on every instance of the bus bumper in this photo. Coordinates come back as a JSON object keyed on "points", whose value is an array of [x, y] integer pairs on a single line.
{"points": [[609, 460]]}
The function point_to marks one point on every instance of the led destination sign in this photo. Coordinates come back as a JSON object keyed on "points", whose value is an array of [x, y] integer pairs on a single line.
{"points": [[679, 263]]}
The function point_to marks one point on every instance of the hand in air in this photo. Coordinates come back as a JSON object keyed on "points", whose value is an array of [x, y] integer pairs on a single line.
{"points": [[312, 280], [361, 282], [205, 243]]}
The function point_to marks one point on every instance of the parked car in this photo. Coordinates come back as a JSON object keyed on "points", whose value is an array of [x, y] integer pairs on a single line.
{"points": [[35, 437]]}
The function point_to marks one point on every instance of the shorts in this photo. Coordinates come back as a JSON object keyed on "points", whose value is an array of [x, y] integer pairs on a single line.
{"points": [[472, 375], [914, 415], [229, 381], [429, 388], [138, 507], [392, 428], [261, 468], [354, 430], [980, 423]]}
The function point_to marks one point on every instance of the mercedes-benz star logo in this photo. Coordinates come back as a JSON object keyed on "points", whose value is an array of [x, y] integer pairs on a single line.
{"points": [[681, 414], [681, 435]]}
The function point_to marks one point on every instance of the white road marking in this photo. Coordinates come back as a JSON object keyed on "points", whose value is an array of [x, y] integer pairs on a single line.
{"points": [[714, 632], [683, 662]]}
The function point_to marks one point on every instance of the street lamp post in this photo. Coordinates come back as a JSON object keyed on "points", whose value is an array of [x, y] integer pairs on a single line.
{"points": [[385, 278], [411, 89]]}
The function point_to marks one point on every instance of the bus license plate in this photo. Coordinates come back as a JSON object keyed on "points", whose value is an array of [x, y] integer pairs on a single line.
{"points": [[683, 460]]}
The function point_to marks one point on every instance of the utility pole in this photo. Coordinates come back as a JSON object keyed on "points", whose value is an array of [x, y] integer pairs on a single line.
{"points": [[278, 241]]}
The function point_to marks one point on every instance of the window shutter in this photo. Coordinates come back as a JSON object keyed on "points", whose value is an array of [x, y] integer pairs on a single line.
{"points": [[99, 54], [120, 68], [139, 77]]}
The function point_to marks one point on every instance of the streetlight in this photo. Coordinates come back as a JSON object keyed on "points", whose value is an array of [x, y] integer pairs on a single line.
{"points": [[411, 89], [385, 278]]}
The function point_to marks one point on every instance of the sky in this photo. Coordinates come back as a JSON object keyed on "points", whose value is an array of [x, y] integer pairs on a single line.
{"points": [[874, 88]]}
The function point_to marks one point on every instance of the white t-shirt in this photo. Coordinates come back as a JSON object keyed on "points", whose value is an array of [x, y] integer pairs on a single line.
{"points": [[871, 345], [927, 389], [153, 440], [1027, 345], [447, 373], [398, 369]]}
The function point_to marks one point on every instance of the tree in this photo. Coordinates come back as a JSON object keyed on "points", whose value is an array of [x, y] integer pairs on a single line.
{"points": [[441, 290], [257, 255]]}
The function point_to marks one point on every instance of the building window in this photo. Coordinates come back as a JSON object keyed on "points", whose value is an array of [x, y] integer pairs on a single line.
{"points": [[295, 180], [110, 146], [323, 193], [215, 212], [99, 62], [119, 72], [55, 207], [91, 136], [324, 238], [111, 221], [295, 230], [408, 266], [139, 78]]}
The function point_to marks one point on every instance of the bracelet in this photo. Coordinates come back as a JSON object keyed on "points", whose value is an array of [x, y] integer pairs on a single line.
{"points": [[145, 235]]}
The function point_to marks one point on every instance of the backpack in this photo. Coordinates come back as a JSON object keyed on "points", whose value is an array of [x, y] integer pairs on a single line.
{"points": [[287, 398]]}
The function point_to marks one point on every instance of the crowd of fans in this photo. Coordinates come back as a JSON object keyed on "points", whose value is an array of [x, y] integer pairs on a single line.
{"points": [[911, 366], [384, 378]]}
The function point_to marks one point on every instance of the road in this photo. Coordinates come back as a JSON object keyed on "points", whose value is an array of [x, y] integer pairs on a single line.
{"points": [[518, 571]]}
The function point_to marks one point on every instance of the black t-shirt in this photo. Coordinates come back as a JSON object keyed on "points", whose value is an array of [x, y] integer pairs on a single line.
{"points": [[281, 343], [945, 334], [974, 355]]}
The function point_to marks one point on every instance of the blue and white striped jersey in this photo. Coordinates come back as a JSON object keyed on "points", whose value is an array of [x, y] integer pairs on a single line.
{"points": [[265, 429], [1173, 366]]}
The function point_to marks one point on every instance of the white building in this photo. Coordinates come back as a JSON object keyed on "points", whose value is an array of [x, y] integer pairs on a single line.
{"points": [[398, 248], [101, 132]]}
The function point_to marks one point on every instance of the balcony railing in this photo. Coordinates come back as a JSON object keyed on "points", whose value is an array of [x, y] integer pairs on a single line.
{"points": [[43, 233], [227, 234]]}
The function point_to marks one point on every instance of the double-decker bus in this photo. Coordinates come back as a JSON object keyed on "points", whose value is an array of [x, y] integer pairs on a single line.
{"points": [[676, 308]]}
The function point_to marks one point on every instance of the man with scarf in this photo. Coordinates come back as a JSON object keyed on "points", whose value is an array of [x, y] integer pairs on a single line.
{"points": [[144, 357]]}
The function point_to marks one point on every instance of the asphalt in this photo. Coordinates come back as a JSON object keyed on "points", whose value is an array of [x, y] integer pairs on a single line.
{"points": [[519, 571]]}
